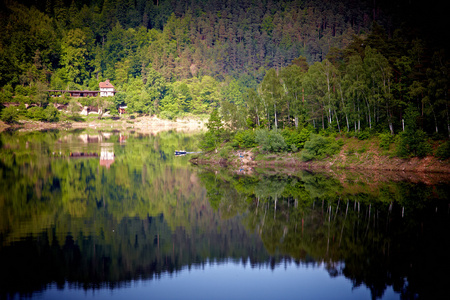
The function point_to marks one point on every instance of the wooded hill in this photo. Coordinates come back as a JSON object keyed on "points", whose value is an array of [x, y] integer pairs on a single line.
{"points": [[344, 65]]}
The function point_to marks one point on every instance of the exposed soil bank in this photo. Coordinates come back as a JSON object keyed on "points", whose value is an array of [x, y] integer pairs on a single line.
{"points": [[372, 161], [142, 124]]}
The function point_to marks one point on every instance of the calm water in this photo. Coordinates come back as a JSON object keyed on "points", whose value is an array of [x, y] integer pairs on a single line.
{"points": [[117, 215]]}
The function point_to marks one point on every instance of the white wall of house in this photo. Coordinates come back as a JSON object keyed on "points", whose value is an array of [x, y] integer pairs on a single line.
{"points": [[106, 92]]}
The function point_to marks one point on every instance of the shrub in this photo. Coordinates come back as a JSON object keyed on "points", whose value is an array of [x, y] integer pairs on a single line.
{"points": [[244, 139], [9, 114], [6, 94], [209, 141], [363, 135], [169, 115], [270, 141], [413, 144], [73, 107], [413, 141], [36, 113], [443, 151], [225, 152], [295, 139], [22, 109], [51, 113], [386, 139], [319, 147], [22, 90]]}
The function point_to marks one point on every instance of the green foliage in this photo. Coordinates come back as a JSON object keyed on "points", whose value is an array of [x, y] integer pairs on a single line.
{"points": [[119, 99], [90, 101], [22, 109], [9, 114], [6, 94], [259, 75], [36, 113], [225, 152], [51, 114], [443, 151], [169, 115], [386, 139], [295, 139], [209, 141], [73, 107], [319, 147], [363, 135], [413, 141], [270, 140], [22, 90], [215, 133], [244, 139]]}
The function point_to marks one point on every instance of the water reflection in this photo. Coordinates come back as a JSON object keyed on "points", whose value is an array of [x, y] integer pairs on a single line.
{"points": [[380, 234], [144, 213]]}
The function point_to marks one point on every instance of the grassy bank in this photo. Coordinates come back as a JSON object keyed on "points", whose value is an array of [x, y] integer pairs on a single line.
{"points": [[354, 154]]}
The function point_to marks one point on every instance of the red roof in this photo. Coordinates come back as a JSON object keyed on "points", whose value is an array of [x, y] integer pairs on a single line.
{"points": [[106, 84]]}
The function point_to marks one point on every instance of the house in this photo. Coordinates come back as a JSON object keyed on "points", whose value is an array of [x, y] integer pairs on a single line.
{"points": [[106, 89], [59, 93]]}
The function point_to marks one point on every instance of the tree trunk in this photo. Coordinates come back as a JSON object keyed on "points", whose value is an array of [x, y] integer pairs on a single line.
{"points": [[337, 121], [276, 121]]}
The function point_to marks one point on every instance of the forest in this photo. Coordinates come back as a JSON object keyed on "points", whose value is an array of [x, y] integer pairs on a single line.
{"points": [[341, 66]]}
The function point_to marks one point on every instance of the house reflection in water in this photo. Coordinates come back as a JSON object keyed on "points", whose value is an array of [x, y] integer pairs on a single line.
{"points": [[106, 154]]}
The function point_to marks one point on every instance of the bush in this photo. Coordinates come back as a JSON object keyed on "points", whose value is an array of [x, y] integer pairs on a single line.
{"points": [[295, 139], [363, 135], [36, 113], [244, 139], [51, 113], [413, 144], [169, 115], [386, 139], [9, 114], [270, 141], [443, 151], [209, 141], [225, 152], [413, 141], [22, 109], [6, 94], [319, 147], [22, 90]]}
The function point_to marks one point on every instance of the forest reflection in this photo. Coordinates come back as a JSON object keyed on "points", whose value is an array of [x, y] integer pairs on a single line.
{"points": [[150, 213]]}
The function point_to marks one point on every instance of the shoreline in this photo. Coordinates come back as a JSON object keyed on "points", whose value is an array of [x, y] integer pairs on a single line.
{"points": [[144, 124], [246, 162]]}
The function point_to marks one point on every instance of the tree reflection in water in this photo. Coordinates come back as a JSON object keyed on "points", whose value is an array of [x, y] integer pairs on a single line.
{"points": [[380, 234], [150, 213]]}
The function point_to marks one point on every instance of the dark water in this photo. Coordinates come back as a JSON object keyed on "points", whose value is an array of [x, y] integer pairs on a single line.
{"points": [[117, 215]]}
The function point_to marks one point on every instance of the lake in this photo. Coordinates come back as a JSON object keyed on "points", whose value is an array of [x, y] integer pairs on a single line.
{"points": [[116, 215]]}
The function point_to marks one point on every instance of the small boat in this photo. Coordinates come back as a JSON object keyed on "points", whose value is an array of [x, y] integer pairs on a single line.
{"points": [[180, 152]]}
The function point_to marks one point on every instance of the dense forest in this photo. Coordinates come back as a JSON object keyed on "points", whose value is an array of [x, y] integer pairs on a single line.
{"points": [[338, 65]]}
